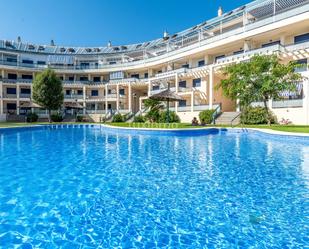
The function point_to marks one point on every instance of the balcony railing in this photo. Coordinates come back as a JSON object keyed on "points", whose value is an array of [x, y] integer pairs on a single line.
{"points": [[193, 40], [25, 95], [291, 103], [10, 96], [73, 96]]}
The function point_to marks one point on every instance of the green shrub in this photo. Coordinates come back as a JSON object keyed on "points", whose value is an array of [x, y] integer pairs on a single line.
{"points": [[139, 119], [79, 118], [173, 117], [117, 118], [256, 115], [56, 117], [32, 117], [206, 116]]}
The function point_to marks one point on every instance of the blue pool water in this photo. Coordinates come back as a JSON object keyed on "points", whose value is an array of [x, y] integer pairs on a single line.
{"points": [[99, 188]]}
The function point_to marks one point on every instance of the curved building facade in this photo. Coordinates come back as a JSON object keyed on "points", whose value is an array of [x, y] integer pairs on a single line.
{"points": [[99, 81]]}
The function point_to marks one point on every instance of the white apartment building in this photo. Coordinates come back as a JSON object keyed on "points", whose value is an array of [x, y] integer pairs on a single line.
{"points": [[99, 81]]}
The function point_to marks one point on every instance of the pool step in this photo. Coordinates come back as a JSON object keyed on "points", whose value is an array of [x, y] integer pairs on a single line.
{"points": [[227, 117]]}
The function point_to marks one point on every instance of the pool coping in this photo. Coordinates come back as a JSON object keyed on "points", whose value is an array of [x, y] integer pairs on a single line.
{"points": [[265, 131]]}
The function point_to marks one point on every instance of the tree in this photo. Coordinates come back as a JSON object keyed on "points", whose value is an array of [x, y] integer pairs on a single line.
{"points": [[263, 77], [153, 115], [48, 91]]}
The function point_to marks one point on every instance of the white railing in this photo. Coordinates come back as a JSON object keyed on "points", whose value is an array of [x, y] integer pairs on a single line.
{"points": [[247, 54], [25, 95], [73, 96], [291, 103]]}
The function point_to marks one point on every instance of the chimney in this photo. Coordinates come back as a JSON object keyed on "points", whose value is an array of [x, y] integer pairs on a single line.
{"points": [[165, 34], [52, 43], [220, 11], [18, 39]]}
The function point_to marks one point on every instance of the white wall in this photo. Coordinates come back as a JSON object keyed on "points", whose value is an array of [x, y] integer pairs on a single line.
{"points": [[297, 116], [186, 117], [2, 117]]}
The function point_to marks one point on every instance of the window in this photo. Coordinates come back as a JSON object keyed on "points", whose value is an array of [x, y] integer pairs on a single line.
{"points": [[71, 78], [41, 62], [11, 90], [155, 88], [12, 76], [121, 92], [84, 65], [219, 57], [79, 92], [197, 82], [182, 83], [96, 79], [27, 61], [25, 91], [146, 75], [136, 76], [301, 38], [112, 62], [270, 44], [302, 65], [67, 92], [201, 63], [83, 78], [10, 59], [185, 66], [94, 92], [11, 106], [182, 103], [26, 76], [238, 52], [109, 91]]}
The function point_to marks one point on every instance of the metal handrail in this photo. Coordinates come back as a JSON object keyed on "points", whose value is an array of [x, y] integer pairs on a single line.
{"points": [[216, 113], [235, 119]]}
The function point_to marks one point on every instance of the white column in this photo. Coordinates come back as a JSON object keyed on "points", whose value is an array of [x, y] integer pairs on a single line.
{"points": [[282, 40], [177, 89], [2, 73], [106, 103], [247, 45], [1, 100], [149, 87], [117, 100], [17, 97], [207, 59], [130, 97], [84, 100], [237, 105], [306, 100], [192, 101], [211, 83]]}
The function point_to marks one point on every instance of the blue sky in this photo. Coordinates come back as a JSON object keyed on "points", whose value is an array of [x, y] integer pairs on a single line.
{"points": [[95, 22]]}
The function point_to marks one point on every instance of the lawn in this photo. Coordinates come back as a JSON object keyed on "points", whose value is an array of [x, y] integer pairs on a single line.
{"points": [[286, 128]]}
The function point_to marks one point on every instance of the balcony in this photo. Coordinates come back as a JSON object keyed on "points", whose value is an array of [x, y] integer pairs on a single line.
{"points": [[73, 96], [25, 95], [246, 55], [291, 103], [9, 96]]}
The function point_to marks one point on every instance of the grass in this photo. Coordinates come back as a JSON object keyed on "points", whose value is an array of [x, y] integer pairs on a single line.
{"points": [[286, 128]]}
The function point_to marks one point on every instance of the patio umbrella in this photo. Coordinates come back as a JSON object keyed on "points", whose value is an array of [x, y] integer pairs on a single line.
{"points": [[73, 105], [30, 105], [168, 96]]}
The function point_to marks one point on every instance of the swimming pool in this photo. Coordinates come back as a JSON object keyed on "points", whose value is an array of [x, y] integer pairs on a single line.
{"points": [[68, 187]]}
